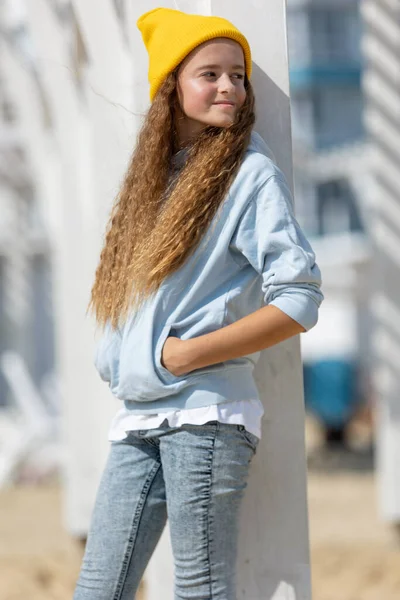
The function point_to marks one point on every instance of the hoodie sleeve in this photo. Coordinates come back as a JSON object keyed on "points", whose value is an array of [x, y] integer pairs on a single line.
{"points": [[271, 240]]}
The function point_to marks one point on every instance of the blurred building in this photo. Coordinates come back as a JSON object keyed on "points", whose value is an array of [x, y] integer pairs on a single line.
{"points": [[25, 292], [325, 72], [28, 386], [324, 39]]}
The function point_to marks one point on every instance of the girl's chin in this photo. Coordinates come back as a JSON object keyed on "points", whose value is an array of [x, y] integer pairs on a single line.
{"points": [[223, 123], [227, 122]]}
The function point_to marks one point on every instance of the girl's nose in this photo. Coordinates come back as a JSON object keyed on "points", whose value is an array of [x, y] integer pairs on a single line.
{"points": [[225, 83]]}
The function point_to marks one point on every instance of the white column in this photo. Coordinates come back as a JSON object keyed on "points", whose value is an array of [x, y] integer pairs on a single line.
{"points": [[274, 551], [382, 119], [87, 405]]}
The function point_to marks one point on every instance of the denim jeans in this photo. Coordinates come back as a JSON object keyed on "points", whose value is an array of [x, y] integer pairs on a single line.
{"points": [[194, 474]]}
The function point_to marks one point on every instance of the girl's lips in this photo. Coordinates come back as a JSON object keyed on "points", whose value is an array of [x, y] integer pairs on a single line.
{"points": [[224, 104]]}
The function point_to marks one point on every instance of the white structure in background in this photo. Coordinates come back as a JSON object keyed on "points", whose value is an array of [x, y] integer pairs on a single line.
{"points": [[332, 183], [27, 421], [29, 432], [95, 94], [77, 141], [382, 118]]}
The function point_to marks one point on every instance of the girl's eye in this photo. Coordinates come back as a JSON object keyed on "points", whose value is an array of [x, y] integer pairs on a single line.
{"points": [[212, 74]]}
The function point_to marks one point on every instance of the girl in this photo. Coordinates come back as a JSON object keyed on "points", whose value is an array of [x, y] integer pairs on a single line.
{"points": [[204, 266]]}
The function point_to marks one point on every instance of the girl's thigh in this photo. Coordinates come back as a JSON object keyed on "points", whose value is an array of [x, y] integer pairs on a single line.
{"points": [[206, 469], [127, 521]]}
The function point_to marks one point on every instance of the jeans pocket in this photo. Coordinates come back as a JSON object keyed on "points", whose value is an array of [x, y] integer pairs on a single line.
{"points": [[250, 438]]}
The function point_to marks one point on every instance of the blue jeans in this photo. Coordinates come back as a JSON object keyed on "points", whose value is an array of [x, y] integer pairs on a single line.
{"points": [[195, 474]]}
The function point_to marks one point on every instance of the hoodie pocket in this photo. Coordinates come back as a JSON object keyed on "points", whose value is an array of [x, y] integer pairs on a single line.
{"points": [[142, 376], [163, 373]]}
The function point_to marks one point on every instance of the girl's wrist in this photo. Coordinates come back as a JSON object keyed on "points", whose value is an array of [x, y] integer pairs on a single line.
{"points": [[203, 351], [191, 357], [180, 356]]}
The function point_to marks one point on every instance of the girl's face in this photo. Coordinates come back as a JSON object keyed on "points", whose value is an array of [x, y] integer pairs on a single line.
{"points": [[210, 86]]}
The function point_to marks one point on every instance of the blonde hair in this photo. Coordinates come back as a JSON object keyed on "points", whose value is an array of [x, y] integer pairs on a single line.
{"points": [[151, 233]]}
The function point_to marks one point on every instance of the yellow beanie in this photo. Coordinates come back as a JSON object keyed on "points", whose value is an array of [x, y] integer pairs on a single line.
{"points": [[169, 35]]}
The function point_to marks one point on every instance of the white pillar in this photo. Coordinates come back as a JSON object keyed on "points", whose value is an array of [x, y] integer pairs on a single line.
{"points": [[274, 551], [87, 405], [382, 118]]}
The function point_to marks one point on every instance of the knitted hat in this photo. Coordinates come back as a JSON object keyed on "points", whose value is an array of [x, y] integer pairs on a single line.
{"points": [[169, 35]]}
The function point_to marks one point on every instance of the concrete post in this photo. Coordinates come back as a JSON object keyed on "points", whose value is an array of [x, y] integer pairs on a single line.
{"points": [[274, 552], [86, 404]]}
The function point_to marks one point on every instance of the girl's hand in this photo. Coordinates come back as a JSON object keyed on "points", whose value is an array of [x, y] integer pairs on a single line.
{"points": [[173, 356]]}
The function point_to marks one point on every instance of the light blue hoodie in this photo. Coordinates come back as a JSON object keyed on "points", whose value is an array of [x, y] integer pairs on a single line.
{"points": [[254, 253]]}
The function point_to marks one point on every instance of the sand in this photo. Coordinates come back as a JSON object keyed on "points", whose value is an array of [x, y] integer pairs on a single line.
{"points": [[354, 555]]}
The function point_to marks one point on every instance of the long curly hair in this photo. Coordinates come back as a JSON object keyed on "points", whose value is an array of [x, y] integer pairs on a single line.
{"points": [[152, 230]]}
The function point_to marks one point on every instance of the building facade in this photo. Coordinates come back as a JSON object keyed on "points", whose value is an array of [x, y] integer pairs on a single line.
{"points": [[324, 38], [325, 72]]}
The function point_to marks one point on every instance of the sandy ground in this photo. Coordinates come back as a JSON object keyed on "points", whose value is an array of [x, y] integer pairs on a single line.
{"points": [[354, 555]]}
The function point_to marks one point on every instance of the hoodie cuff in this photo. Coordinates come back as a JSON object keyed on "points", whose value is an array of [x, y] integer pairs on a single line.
{"points": [[300, 307]]}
